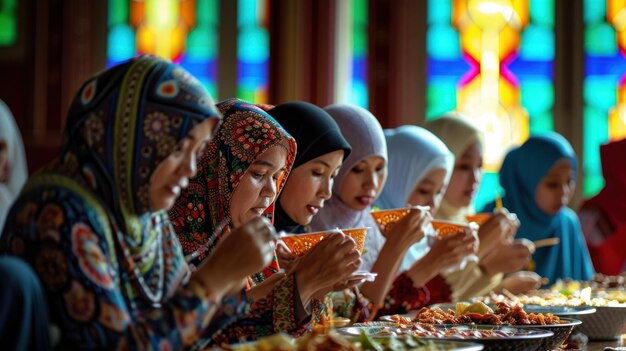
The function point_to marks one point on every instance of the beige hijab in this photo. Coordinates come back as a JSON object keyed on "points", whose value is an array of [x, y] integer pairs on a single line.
{"points": [[457, 133]]}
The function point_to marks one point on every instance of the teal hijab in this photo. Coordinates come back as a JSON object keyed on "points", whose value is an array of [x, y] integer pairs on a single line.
{"points": [[521, 172]]}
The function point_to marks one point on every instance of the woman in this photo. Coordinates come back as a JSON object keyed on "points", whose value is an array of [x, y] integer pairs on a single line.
{"points": [[602, 215], [539, 196], [92, 224], [497, 253], [419, 169], [239, 176], [356, 187], [13, 172]]}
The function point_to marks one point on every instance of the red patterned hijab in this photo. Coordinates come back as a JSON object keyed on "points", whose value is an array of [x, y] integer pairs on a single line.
{"points": [[201, 213]]}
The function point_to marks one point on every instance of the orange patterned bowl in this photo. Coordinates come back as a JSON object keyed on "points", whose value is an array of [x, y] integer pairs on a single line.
{"points": [[386, 219], [444, 228], [299, 244], [479, 218]]}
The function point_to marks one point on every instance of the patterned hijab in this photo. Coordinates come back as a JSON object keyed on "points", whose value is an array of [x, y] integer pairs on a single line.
{"points": [[126, 121], [611, 198], [316, 133], [457, 134], [122, 124], [364, 133], [16, 159], [570, 258], [201, 214]]}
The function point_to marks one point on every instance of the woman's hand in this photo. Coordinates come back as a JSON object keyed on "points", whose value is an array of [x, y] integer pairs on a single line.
{"points": [[411, 228], [286, 258], [499, 229], [242, 252], [521, 282], [508, 258], [445, 253], [329, 263]]}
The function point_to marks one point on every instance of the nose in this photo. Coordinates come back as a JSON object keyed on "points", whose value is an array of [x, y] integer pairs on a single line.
{"points": [[188, 166], [371, 181], [430, 201], [476, 175], [270, 189], [565, 193], [325, 189]]}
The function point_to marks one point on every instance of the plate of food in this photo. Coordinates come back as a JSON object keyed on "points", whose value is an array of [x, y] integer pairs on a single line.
{"points": [[491, 337], [342, 342]]}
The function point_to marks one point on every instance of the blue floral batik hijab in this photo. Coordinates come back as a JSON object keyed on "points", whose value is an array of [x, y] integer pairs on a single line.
{"points": [[521, 172]]}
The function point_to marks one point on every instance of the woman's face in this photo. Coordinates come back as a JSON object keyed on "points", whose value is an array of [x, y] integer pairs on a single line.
{"points": [[429, 191], [256, 190], [363, 182], [466, 176], [173, 173], [555, 189], [309, 185]]}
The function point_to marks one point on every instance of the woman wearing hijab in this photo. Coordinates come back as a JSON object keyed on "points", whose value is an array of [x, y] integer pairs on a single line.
{"points": [[497, 253], [13, 172], [92, 223], [539, 196], [602, 215], [356, 187], [419, 169], [219, 197]]}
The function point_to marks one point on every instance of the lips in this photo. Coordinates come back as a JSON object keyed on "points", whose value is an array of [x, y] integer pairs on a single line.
{"points": [[365, 200], [312, 209]]}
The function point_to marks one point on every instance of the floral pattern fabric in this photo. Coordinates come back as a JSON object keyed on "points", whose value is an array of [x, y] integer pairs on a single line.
{"points": [[112, 269], [201, 214]]}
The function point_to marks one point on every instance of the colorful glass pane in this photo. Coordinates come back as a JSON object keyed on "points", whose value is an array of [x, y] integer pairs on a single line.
{"points": [[492, 60], [357, 92], [184, 31], [253, 50], [8, 22], [604, 114]]}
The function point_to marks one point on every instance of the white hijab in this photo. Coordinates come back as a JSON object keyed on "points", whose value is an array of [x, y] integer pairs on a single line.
{"points": [[16, 158], [413, 153]]}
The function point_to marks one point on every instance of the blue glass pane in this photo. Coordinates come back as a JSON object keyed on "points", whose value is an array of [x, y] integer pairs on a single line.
{"points": [[121, 44], [253, 45], [600, 40], [595, 133], [439, 11], [442, 43], [542, 12], [599, 92], [487, 190], [537, 95], [440, 97], [594, 11], [537, 43]]}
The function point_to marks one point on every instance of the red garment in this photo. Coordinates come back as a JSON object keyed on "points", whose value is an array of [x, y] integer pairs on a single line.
{"points": [[606, 236], [439, 289]]}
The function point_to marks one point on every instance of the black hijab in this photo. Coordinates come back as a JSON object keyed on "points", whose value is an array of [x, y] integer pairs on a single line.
{"points": [[316, 134]]}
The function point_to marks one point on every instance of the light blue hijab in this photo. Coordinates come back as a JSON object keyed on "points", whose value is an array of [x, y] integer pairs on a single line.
{"points": [[521, 172], [365, 135], [413, 153]]}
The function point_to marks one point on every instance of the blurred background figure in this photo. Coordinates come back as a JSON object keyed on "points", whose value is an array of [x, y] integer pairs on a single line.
{"points": [[13, 171], [602, 215]]}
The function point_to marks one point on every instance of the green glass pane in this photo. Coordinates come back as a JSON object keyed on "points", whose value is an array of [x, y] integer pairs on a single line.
{"points": [[537, 43], [245, 93], [359, 12], [118, 12], [595, 133], [599, 92], [121, 43], [439, 11], [600, 40], [542, 12], [8, 29], [359, 42], [594, 11], [440, 97], [253, 45], [207, 12], [489, 186], [537, 95], [202, 43], [442, 42], [246, 12], [540, 123]]}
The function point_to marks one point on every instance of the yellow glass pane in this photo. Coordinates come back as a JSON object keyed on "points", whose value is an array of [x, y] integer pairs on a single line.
{"points": [[509, 41], [471, 42]]}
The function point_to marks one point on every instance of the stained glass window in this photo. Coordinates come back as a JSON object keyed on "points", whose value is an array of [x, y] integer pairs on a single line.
{"points": [[357, 89], [8, 22], [253, 50], [604, 113], [184, 31], [492, 60]]}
